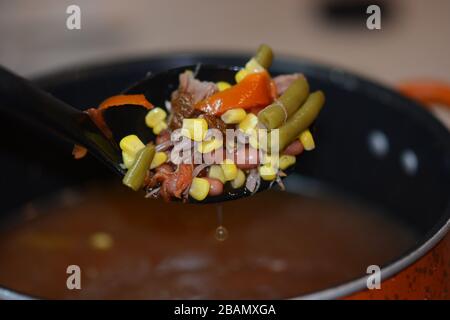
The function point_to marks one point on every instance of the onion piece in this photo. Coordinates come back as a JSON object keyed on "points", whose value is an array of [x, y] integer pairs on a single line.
{"points": [[164, 146], [185, 193], [199, 169], [258, 184], [168, 106], [153, 193], [185, 144], [186, 156], [197, 69], [280, 182], [253, 181]]}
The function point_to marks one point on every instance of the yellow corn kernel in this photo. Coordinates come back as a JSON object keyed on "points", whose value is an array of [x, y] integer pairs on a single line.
{"points": [[253, 66], [234, 116], [131, 144], [158, 159], [216, 172], [286, 161], [210, 145], [254, 138], [253, 141], [199, 189], [229, 169], [267, 172], [249, 123], [222, 85], [259, 139], [241, 74], [272, 160], [239, 180], [307, 140], [159, 127], [194, 129], [155, 116], [128, 159]]}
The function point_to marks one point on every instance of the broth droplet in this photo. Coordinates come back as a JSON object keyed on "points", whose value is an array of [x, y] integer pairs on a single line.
{"points": [[221, 233]]}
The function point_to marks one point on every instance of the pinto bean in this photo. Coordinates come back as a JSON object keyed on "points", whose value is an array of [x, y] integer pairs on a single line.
{"points": [[246, 158], [294, 149], [215, 187]]}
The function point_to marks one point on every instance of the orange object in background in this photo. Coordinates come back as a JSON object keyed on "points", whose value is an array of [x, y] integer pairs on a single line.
{"points": [[427, 92], [254, 91]]}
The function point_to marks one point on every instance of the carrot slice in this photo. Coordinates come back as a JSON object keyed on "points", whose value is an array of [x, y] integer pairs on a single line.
{"points": [[124, 99], [96, 114], [254, 91], [79, 152]]}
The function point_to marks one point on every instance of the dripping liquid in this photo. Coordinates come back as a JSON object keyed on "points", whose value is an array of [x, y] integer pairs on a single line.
{"points": [[221, 232]]}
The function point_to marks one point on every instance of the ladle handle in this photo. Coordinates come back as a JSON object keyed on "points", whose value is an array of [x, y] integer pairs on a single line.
{"points": [[22, 99]]}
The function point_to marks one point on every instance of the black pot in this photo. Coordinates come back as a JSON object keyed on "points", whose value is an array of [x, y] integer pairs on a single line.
{"points": [[377, 145]]}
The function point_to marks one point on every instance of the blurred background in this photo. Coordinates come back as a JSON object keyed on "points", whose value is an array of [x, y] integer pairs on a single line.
{"points": [[413, 42]]}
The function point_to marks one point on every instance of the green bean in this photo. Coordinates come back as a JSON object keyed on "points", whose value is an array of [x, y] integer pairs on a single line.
{"points": [[278, 112], [135, 176], [264, 56], [300, 120]]}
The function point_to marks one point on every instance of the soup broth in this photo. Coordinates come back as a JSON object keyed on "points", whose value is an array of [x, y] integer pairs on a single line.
{"points": [[279, 245]]}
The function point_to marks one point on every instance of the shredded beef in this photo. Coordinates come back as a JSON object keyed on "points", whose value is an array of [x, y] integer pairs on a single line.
{"points": [[173, 183], [182, 107], [189, 92], [198, 90], [214, 122]]}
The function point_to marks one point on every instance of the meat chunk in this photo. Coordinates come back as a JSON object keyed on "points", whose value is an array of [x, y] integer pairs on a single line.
{"points": [[173, 183], [215, 122], [283, 81], [182, 107], [198, 90], [189, 92]]}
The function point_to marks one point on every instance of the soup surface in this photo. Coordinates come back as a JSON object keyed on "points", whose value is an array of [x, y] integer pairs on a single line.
{"points": [[279, 245]]}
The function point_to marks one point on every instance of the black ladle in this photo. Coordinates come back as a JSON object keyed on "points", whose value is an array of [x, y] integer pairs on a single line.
{"points": [[22, 99]]}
